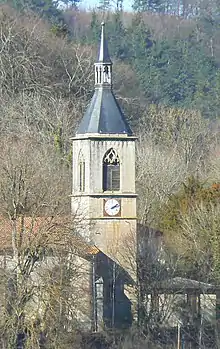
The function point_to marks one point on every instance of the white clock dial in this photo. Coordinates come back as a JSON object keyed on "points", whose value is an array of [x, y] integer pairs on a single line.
{"points": [[112, 207]]}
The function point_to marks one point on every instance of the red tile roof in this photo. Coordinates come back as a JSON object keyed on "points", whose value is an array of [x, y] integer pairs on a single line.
{"points": [[48, 232]]}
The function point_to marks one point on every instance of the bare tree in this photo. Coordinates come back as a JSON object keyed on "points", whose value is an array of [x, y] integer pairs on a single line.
{"points": [[173, 144], [33, 60], [39, 231]]}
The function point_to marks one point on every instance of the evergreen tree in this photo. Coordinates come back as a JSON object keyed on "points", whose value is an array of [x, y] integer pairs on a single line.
{"points": [[118, 42], [46, 8], [149, 5], [92, 36]]}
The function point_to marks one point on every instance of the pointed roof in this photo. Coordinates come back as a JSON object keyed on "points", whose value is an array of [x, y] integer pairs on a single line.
{"points": [[103, 55], [103, 114]]}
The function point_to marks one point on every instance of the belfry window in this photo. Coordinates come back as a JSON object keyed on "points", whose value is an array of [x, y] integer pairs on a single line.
{"points": [[111, 171], [81, 173]]}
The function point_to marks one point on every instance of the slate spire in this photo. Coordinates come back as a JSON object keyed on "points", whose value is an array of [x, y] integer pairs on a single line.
{"points": [[103, 55], [103, 115]]}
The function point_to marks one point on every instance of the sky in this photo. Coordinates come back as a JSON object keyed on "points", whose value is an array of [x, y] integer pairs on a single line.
{"points": [[127, 4]]}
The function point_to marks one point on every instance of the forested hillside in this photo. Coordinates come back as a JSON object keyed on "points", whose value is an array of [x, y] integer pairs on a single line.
{"points": [[175, 60], [172, 60], [167, 78]]}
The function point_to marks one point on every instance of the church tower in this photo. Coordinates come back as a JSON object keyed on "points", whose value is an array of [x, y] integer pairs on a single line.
{"points": [[103, 195]]}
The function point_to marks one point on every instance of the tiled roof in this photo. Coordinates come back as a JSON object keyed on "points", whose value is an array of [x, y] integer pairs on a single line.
{"points": [[48, 232]]}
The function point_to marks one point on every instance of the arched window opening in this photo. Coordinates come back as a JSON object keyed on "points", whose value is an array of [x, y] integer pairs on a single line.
{"points": [[97, 75], [106, 73], [81, 173], [111, 171]]}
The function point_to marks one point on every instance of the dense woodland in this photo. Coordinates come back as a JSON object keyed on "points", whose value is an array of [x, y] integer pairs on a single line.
{"points": [[166, 58]]}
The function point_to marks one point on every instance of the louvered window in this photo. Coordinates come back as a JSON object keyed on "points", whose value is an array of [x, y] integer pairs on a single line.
{"points": [[111, 171]]}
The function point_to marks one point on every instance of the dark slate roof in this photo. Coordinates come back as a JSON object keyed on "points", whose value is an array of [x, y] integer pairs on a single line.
{"points": [[104, 115], [103, 56]]}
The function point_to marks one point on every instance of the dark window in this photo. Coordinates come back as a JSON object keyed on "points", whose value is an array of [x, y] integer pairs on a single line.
{"points": [[82, 175], [111, 171]]}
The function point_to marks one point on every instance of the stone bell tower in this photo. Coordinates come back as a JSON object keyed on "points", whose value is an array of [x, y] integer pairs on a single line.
{"points": [[103, 195]]}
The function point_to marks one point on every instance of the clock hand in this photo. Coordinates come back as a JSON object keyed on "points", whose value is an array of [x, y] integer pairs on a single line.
{"points": [[117, 205]]}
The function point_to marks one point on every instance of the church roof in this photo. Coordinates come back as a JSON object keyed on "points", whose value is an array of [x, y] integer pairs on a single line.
{"points": [[103, 115]]}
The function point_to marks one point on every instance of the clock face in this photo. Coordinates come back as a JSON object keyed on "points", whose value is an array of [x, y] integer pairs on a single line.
{"points": [[112, 207]]}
